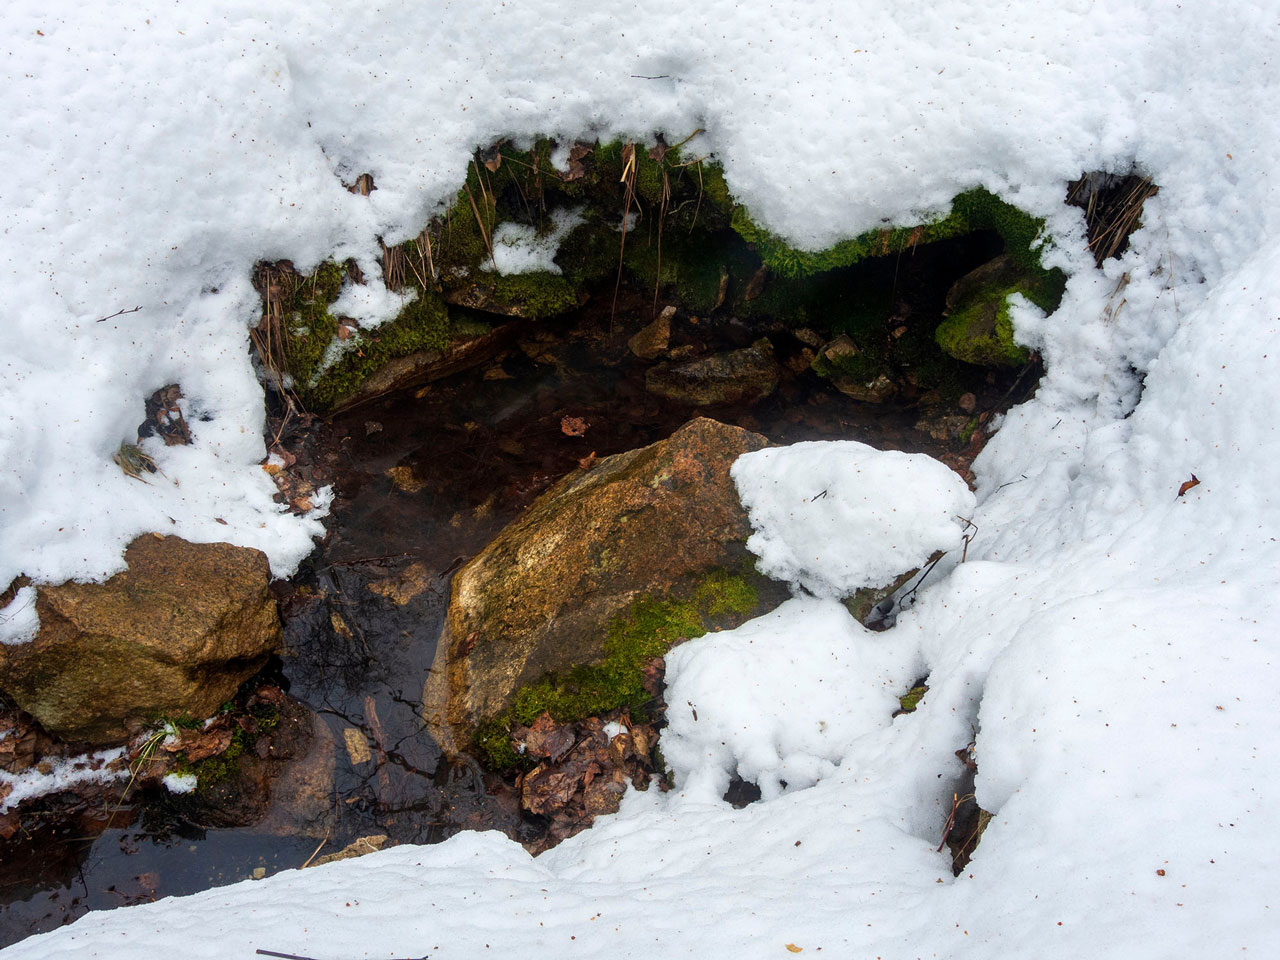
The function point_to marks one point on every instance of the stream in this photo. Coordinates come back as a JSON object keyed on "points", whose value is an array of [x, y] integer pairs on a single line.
{"points": [[424, 478]]}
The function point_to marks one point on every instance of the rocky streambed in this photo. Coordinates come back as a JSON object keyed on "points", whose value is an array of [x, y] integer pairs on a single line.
{"points": [[530, 505]]}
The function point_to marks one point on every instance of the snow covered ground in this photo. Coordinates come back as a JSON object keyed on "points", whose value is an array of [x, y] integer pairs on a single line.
{"points": [[1109, 642]]}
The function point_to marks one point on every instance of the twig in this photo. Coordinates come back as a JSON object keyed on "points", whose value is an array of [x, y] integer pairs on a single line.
{"points": [[118, 313], [323, 841]]}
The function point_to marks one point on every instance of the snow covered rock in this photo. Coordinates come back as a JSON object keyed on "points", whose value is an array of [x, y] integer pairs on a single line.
{"points": [[836, 516], [177, 632], [539, 597]]}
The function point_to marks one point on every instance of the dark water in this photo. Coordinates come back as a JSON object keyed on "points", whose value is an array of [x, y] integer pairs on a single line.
{"points": [[424, 479]]}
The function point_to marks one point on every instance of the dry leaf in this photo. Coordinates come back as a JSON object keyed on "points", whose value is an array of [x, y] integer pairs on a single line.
{"points": [[793, 948], [573, 426], [1188, 484], [587, 462]]}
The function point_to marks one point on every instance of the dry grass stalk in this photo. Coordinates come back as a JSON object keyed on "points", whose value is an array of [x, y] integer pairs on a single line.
{"points": [[277, 283], [425, 269], [393, 259], [484, 234], [1112, 209], [628, 180]]}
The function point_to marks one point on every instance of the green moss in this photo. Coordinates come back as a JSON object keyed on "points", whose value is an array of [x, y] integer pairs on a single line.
{"points": [[972, 210], [646, 630], [423, 325], [911, 699], [687, 271], [539, 294], [981, 331]]}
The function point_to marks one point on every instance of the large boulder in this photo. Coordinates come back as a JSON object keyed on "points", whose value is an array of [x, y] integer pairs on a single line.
{"points": [[176, 633], [540, 597]]}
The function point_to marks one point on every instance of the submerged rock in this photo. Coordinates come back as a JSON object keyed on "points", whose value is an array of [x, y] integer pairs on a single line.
{"points": [[651, 341], [851, 373], [738, 376], [174, 634], [539, 599]]}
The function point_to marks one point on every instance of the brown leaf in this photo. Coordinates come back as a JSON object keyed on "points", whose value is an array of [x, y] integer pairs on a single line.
{"points": [[546, 738], [659, 149], [345, 332], [655, 672], [573, 426], [268, 694], [492, 158], [587, 462], [1188, 484], [198, 745], [793, 948]]}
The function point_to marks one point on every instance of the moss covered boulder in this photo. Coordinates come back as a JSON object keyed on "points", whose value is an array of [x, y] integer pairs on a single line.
{"points": [[174, 634], [608, 567], [978, 328]]}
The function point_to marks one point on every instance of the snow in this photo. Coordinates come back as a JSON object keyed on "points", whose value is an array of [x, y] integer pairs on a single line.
{"points": [[61, 775], [19, 621], [836, 516], [809, 683], [179, 782], [517, 248], [1106, 644]]}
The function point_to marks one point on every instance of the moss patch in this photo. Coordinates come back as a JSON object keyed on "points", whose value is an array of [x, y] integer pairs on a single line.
{"points": [[648, 629], [972, 210], [911, 699]]}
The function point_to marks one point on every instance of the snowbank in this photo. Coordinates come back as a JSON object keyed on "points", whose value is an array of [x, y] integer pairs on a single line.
{"points": [[1107, 646]]}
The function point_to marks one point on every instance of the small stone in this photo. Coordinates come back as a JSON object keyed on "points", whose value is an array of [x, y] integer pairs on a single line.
{"points": [[259, 872], [652, 340], [404, 479], [357, 746], [968, 402], [400, 590]]}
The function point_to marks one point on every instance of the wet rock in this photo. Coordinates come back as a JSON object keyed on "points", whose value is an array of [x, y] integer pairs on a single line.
{"points": [[538, 599], [302, 794], [842, 363], [943, 425], [357, 848], [652, 340], [738, 376], [174, 634]]}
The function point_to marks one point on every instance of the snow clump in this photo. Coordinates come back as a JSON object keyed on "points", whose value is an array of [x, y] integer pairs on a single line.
{"points": [[835, 516]]}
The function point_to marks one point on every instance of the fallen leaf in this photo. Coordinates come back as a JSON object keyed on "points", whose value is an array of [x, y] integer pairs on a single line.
{"points": [[793, 948], [492, 158], [1188, 484], [573, 426], [587, 462]]}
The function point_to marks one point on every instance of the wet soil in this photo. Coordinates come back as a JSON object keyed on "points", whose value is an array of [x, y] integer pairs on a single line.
{"points": [[424, 478]]}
